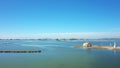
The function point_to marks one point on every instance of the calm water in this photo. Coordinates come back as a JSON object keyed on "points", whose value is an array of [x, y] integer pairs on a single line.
{"points": [[58, 54]]}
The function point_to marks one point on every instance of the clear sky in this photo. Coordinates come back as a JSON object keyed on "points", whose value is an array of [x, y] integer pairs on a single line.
{"points": [[28, 17]]}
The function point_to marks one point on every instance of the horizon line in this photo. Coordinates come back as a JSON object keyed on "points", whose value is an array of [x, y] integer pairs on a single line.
{"points": [[67, 35]]}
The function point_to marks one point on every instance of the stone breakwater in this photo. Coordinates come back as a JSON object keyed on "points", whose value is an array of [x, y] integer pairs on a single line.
{"points": [[99, 47], [20, 51]]}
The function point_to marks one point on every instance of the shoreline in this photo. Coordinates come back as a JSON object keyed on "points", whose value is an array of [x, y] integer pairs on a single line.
{"points": [[99, 47]]}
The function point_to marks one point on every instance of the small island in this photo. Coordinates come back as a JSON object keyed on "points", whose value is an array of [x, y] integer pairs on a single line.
{"points": [[88, 45]]}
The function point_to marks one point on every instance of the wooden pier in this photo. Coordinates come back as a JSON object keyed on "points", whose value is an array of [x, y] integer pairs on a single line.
{"points": [[20, 51]]}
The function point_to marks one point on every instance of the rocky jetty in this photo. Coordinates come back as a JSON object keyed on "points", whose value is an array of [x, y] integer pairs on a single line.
{"points": [[88, 45]]}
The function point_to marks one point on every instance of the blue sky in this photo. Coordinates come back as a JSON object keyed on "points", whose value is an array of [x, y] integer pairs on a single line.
{"points": [[33, 17]]}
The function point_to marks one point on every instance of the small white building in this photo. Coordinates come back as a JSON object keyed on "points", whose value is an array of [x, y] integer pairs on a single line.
{"points": [[87, 44]]}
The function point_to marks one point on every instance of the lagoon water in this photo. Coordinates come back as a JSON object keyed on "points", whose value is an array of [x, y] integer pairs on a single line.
{"points": [[58, 54]]}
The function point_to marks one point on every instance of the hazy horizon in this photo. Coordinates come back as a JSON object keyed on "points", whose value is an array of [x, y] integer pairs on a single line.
{"points": [[77, 35]]}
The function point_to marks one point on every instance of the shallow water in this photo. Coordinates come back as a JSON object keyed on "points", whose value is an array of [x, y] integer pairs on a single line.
{"points": [[58, 54]]}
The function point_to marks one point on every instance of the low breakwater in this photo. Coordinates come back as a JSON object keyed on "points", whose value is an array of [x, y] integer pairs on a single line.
{"points": [[20, 51]]}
